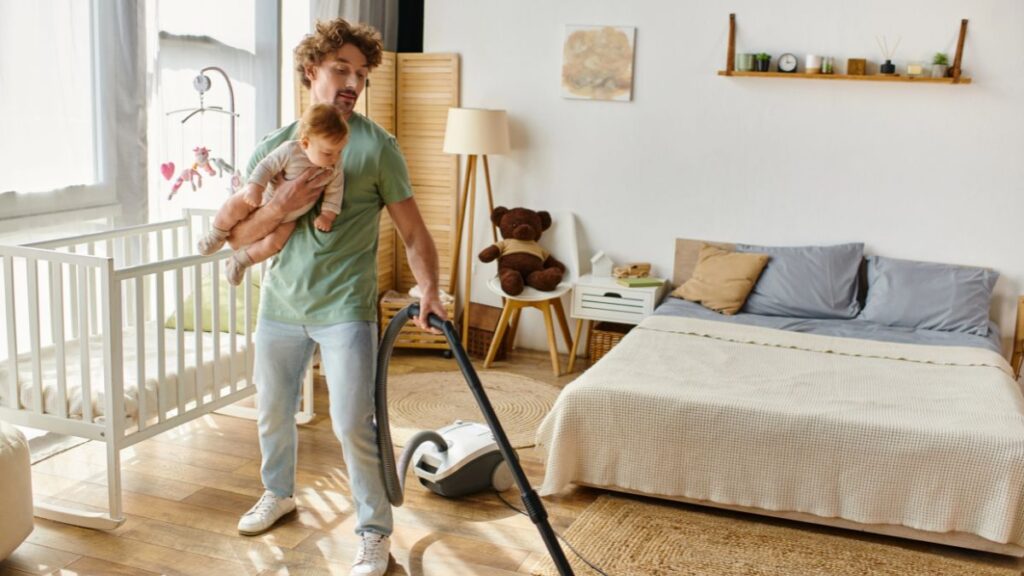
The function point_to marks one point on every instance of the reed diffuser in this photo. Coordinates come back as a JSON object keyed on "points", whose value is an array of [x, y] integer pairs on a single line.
{"points": [[883, 44]]}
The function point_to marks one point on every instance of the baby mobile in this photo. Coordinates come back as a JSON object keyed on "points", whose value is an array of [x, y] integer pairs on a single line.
{"points": [[201, 159]]}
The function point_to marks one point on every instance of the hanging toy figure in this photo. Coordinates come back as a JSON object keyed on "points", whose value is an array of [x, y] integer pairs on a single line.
{"points": [[222, 167], [167, 169], [195, 179], [203, 160]]}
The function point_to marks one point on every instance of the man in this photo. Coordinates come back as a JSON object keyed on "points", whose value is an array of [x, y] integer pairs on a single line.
{"points": [[322, 289]]}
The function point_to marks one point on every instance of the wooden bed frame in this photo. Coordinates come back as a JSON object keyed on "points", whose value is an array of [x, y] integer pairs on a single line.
{"points": [[687, 251]]}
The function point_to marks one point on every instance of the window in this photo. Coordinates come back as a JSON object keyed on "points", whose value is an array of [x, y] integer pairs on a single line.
{"points": [[238, 36], [48, 94], [74, 75], [55, 146], [229, 22]]}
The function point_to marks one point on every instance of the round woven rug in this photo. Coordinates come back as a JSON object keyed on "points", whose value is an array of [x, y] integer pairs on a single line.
{"points": [[430, 400], [625, 536]]}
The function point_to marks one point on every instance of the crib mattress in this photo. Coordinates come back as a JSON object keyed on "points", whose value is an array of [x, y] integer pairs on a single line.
{"points": [[176, 385]]}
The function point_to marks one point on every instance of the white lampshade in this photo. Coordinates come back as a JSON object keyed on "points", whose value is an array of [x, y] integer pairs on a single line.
{"points": [[476, 131]]}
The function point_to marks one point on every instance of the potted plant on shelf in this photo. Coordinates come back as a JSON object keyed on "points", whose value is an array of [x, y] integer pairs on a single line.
{"points": [[762, 61], [940, 65]]}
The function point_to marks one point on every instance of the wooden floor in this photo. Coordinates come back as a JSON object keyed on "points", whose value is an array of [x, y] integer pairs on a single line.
{"points": [[185, 489]]}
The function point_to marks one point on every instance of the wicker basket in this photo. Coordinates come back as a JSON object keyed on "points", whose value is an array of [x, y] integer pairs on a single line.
{"points": [[604, 336], [410, 337], [483, 323]]}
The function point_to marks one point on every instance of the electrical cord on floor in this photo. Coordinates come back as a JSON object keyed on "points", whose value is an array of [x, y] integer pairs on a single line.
{"points": [[574, 551]]}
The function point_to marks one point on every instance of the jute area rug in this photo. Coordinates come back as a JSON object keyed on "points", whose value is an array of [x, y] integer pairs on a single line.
{"points": [[430, 400], [631, 537]]}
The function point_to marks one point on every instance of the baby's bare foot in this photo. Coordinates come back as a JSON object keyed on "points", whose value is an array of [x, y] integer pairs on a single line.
{"points": [[323, 224]]}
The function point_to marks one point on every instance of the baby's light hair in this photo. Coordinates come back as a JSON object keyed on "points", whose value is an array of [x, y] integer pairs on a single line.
{"points": [[325, 121]]}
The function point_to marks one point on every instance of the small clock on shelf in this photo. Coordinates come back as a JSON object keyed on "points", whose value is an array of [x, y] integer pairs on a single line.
{"points": [[787, 63]]}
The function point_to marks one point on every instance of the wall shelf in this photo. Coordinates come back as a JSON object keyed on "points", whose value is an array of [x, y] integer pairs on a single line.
{"points": [[864, 78], [955, 76]]}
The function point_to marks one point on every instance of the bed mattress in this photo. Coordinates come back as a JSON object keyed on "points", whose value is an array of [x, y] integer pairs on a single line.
{"points": [[923, 436], [853, 328]]}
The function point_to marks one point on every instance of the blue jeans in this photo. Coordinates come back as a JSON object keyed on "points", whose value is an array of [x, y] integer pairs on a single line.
{"points": [[348, 354]]}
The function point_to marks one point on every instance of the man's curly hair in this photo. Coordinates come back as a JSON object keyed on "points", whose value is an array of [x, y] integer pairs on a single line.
{"points": [[331, 35]]}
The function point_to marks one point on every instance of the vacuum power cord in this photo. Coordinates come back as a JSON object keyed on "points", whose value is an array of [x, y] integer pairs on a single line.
{"points": [[560, 537]]}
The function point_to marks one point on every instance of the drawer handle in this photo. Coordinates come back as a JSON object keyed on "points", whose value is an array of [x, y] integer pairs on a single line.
{"points": [[612, 295]]}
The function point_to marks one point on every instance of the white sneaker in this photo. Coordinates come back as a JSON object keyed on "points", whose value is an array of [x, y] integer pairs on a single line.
{"points": [[373, 555], [262, 516]]}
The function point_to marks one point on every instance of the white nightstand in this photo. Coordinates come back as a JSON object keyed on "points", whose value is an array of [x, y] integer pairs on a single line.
{"points": [[601, 299]]}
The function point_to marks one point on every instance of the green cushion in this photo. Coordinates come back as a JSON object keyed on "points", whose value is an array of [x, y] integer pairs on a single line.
{"points": [[207, 308]]}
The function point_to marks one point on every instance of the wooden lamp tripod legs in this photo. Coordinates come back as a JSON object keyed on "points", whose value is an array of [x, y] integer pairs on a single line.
{"points": [[468, 198]]}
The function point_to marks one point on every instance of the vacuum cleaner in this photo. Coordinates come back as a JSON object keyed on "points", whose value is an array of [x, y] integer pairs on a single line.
{"points": [[462, 458]]}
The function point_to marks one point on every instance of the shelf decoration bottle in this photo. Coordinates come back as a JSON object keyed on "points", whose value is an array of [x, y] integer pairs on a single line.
{"points": [[887, 68]]}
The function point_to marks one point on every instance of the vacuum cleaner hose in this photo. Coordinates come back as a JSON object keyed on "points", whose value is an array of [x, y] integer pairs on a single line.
{"points": [[394, 476]]}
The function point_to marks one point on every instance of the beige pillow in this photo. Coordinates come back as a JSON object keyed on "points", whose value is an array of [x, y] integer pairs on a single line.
{"points": [[722, 280]]}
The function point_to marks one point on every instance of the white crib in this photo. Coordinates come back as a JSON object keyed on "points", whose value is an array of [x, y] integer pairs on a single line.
{"points": [[88, 354]]}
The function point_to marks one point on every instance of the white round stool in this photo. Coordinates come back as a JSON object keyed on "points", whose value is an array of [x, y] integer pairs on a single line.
{"points": [[15, 489]]}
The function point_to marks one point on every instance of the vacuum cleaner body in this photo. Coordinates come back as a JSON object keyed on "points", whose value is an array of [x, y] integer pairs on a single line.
{"points": [[472, 462]]}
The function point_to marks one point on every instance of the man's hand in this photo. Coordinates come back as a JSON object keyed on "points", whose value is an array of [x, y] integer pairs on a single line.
{"points": [[430, 303], [291, 195]]}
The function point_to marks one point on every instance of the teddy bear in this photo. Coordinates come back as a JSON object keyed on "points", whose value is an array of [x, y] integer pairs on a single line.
{"points": [[521, 260]]}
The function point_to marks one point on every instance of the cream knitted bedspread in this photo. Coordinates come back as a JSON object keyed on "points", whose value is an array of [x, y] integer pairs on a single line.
{"points": [[928, 437]]}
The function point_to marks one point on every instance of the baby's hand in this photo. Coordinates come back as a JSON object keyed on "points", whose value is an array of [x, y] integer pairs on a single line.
{"points": [[324, 221], [253, 196]]}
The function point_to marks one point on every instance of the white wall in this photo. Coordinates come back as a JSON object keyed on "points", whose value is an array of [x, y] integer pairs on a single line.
{"points": [[930, 172]]}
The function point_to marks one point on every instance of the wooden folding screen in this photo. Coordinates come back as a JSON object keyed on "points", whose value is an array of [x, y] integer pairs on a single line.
{"points": [[428, 85], [378, 103]]}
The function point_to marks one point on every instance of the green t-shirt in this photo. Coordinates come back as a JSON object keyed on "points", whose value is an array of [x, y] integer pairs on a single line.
{"points": [[331, 277]]}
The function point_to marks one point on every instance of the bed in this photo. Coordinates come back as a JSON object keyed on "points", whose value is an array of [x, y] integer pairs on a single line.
{"points": [[120, 335], [890, 430]]}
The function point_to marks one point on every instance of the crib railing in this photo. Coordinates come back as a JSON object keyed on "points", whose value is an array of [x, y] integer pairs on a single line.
{"points": [[98, 285], [76, 284], [71, 297], [163, 285]]}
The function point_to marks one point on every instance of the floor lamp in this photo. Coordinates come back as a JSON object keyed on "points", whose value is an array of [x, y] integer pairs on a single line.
{"points": [[475, 133]]}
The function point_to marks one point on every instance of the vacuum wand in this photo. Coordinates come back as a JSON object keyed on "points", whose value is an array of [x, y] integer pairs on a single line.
{"points": [[534, 507]]}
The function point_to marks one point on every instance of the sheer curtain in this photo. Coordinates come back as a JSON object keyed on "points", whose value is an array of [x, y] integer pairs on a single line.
{"points": [[72, 110], [47, 100]]}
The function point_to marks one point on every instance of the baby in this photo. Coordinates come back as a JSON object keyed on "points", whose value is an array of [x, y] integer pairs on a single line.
{"points": [[323, 134]]}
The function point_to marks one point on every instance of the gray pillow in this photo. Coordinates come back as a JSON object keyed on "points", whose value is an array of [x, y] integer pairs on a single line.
{"points": [[807, 281], [929, 295]]}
